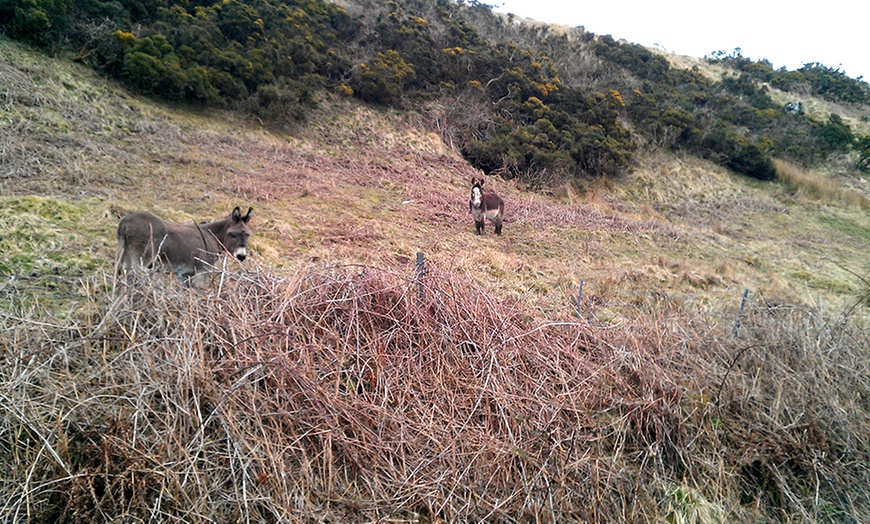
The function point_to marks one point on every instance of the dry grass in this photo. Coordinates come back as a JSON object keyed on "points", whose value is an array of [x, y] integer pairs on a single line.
{"points": [[712, 71], [342, 394], [814, 185]]}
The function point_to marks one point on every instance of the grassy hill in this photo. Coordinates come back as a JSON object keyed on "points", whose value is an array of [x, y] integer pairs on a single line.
{"points": [[312, 382]]}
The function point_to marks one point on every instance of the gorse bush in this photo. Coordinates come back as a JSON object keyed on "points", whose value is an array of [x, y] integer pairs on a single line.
{"points": [[535, 128], [383, 79], [682, 109], [672, 109], [32, 19], [727, 147], [215, 52], [835, 135]]}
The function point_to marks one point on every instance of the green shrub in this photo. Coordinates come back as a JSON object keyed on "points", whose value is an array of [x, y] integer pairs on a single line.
{"points": [[238, 21], [199, 86], [142, 71], [279, 103], [729, 148], [32, 19], [639, 60], [383, 78], [555, 146], [228, 86], [829, 83], [664, 124], [835, 135]]}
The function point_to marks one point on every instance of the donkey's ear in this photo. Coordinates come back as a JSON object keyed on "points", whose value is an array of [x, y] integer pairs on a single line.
{"points": [[481, 181], [473, 180], [237, 214], [248, 215]]}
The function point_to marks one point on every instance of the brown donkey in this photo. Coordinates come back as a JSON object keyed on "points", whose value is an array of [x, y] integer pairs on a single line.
{"points": [[183, 249], [484, 206]]}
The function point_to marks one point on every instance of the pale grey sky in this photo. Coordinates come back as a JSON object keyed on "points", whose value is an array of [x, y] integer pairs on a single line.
{"points": [[788, 34]]}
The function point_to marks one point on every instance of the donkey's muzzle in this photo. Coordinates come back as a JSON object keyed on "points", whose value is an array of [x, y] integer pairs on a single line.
{"points": [[241, 254]]}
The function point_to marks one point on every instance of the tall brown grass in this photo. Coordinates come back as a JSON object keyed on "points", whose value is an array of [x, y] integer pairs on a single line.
{"points": [[815, 185], [345, 394]]}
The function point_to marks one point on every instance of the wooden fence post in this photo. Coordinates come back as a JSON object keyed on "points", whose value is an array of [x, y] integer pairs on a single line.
{"points": [[740, 314]]}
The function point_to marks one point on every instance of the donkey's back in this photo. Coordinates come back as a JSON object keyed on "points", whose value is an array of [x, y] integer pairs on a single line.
{"points": [[145, 240]]}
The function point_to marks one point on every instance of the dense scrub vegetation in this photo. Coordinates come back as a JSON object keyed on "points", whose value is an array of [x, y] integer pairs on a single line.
{"points": [[818, 79], [516, 101], [348, 395]]}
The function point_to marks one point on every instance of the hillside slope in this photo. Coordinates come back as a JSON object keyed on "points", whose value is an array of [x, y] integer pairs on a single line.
{"points": [[318, 380], [357, 185]]}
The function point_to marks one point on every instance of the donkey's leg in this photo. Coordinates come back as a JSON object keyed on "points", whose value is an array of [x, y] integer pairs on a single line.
{"points": [[496, 221], [481, 227], [200, 280], [131, 264]]}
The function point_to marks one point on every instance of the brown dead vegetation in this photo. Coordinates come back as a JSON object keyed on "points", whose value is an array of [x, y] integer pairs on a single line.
{"points": [[358, 394]]}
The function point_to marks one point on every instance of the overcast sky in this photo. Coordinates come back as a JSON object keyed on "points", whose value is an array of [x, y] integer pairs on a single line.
{"points": [[835, 33]]}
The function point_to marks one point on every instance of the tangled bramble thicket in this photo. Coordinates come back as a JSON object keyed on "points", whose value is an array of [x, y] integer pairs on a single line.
{"points": [[347, 394]]}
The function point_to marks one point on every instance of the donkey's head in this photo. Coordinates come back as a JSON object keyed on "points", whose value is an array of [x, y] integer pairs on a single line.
{"points": [[476, 191], [236, 239]]}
